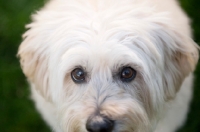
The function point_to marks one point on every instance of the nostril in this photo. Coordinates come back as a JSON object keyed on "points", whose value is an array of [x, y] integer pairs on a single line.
{"points": [[99, 124]]}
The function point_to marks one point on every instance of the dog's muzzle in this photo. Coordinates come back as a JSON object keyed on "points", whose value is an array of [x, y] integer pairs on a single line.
{"points": [[99, 124]]}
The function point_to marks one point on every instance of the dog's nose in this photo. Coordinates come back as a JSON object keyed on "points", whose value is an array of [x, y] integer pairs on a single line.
{"points": [[99, 124]]}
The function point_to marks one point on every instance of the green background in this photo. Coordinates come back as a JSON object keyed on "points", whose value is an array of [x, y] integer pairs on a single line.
{"points": [[17, 112]]}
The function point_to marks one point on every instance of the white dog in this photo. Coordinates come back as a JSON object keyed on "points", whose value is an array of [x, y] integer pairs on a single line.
{"points": [[110, 65]]}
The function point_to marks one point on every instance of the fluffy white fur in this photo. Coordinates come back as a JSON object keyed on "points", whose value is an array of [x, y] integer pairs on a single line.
{"points": [[151, 36]]}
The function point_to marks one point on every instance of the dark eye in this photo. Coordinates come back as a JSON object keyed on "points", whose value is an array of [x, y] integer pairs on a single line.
{"points": [[78, 75], [127, 74]]}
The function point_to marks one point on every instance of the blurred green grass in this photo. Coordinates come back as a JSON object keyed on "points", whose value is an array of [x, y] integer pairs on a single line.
{"points": [[17, 112]]}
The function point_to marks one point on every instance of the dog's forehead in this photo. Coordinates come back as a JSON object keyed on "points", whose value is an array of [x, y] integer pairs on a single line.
{"points": [[84, 36], [110, 56], [91, 21]]}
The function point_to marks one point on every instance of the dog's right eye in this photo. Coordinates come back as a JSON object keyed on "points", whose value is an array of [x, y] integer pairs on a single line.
{"points": [[78, 75]]}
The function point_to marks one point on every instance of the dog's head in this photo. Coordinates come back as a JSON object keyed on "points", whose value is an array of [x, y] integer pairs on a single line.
{"points": [[112, 70]]}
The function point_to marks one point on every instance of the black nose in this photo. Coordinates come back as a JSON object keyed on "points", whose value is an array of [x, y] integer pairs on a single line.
{"points": [[99, 124]]}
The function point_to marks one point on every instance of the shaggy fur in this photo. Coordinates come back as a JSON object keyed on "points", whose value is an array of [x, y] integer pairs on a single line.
{"points": [[102, 36]]}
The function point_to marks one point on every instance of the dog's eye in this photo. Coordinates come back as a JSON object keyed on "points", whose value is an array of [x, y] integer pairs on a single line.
{"points": [[78, 75], [127, 74]]}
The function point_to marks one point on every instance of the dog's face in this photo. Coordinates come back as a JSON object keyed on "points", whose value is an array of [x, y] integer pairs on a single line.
{"points": [[106, 75]]}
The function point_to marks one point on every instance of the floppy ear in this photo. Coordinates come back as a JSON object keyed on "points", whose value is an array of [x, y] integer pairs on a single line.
{"points": [[34, 61], [180, 55]]}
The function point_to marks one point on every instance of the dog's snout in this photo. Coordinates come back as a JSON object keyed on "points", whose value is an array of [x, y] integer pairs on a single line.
{"points": [[99, 124]]}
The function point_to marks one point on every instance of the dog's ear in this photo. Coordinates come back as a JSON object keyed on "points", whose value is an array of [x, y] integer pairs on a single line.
{"points": [[34, 61], [180, 54], [180, 59]]}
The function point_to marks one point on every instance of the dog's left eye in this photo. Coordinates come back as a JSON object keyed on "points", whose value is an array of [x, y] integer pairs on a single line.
{"points": [[127, 74], [78, 75]]}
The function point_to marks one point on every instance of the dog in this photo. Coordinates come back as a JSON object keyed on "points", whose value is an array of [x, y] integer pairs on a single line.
{"points": [[110, 65]]}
